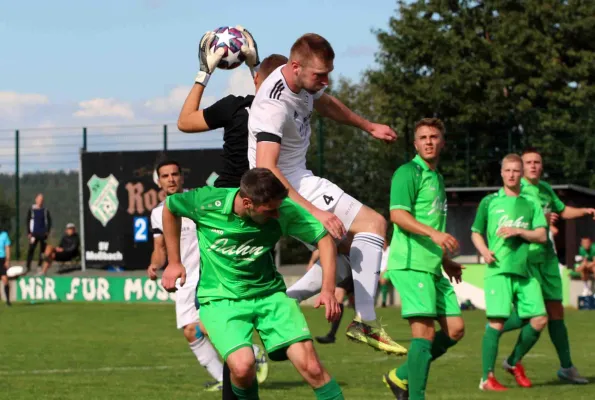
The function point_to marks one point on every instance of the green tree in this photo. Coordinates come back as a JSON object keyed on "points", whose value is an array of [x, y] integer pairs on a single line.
{"points": [[502, 74]]}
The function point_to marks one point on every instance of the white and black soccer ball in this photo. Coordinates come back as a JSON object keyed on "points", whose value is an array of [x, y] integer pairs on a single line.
{"points": [[231, 40]]}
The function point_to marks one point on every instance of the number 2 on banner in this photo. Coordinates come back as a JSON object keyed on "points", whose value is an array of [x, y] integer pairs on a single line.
{"points": [[141, 225]]}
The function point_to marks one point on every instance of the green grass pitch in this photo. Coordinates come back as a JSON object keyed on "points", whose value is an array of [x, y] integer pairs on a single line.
{"points": [[125, 351]]}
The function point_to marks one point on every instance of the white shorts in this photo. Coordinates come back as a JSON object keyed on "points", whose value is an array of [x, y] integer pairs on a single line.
{"points": [[326, 196], [186, 312]]}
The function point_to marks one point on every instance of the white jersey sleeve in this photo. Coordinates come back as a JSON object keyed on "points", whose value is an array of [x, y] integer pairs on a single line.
{"points": [[268, 118], [157, 220]]}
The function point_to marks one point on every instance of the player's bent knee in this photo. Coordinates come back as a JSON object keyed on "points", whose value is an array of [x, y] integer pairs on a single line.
{"points": [[190, 332], [538, 323], [496, 324], [242, 367], [368, 220]]}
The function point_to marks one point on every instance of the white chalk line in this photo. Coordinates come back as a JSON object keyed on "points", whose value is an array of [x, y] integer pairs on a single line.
{"points": [[88, 370]]}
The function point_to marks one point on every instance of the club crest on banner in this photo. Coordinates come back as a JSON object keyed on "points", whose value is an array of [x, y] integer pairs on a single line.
{"points": [[103, 199]]}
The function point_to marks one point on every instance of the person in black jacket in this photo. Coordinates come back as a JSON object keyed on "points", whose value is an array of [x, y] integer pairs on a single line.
{"points": [[39, 225], [68, 249]]}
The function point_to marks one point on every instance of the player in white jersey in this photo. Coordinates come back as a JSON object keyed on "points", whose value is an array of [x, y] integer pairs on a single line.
{"points": [[279, 137], [170, 179]]}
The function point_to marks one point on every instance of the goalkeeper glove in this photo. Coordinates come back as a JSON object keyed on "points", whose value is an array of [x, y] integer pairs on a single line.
{"points": [[208, 58], [250, 50]]}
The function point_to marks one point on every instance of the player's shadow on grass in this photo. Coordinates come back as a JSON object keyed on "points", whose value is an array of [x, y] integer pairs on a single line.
{"points": [[558, 382], [289, 384]]}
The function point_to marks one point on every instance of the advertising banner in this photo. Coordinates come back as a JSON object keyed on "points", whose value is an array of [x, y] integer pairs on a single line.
{"points": [[118, 195]]}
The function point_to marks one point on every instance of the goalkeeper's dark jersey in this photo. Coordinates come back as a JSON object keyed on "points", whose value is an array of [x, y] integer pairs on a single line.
{"points": [[231, 114]]}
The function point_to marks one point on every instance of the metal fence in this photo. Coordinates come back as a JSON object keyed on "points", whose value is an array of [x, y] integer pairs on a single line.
{"points": [[31, 158]]}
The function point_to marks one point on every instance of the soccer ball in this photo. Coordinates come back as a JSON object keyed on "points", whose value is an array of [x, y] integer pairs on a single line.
{"points": [[231, 40]]}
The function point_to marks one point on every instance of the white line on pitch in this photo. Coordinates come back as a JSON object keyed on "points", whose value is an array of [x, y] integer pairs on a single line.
{"points": [[83, 370]]}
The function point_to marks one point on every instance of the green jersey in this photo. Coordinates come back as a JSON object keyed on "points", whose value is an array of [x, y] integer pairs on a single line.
{"points": [[499, 210], [419, 190], [236, 259], [543, 193], [587, 254]]}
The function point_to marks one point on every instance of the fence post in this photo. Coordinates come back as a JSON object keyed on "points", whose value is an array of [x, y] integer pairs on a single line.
{"points": [[164, 137], [320, 147], [467, 160], [17, 195], [84, 138]]}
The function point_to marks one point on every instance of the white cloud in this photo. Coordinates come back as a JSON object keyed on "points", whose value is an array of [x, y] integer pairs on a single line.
{"points": [[240, 83], [104, 108], [172, 102], [13, 104]]}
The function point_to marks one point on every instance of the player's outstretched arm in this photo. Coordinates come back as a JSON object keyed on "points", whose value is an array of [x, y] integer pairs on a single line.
{"points": [[328, 262], [331, 107], [172, 228], [191, 119], [404, 220], [267, 156], [570, 212]]}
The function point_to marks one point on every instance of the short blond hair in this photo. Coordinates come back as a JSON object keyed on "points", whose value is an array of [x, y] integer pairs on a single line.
{"points": [[312, 44], [512, 157], [435, 123]]}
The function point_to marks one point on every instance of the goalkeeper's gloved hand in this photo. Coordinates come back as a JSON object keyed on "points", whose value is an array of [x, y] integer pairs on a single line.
{"points": [[250, 50], [208, 58]]}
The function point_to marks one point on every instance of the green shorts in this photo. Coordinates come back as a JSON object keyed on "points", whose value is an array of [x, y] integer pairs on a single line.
{"points": [[505, 290], [424, 294], [277, 318], [547, 274]]}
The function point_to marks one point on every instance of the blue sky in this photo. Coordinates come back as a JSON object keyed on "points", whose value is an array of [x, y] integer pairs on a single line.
{"points": [[120, 62]]}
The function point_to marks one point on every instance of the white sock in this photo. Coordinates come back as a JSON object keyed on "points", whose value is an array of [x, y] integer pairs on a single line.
{"points": [[207, 357], [311, 283], [587, 286], [366, 255], [308, 285]]}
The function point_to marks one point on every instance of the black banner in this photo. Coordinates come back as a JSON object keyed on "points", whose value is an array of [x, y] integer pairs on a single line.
{"points": [[119, 194]]}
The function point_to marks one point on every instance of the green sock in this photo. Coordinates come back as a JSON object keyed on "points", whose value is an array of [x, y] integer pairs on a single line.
{"points": [[513, 322], [418, 360], [250, 393], [559, 336], [527, 339], [403, 371], [384, 291], [441, 343], [330, 391], [489, 350]]}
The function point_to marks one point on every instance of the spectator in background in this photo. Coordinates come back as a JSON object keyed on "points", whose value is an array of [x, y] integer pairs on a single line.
{"points": [[68, 249], [5, 262], [586, 252], [39, 224]]}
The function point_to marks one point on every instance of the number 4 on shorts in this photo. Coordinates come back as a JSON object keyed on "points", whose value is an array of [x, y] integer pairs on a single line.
{"points": [[327, 199]]}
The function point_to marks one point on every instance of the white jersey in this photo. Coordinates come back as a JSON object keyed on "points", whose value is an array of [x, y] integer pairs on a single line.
{"points": [[190, 253], [279, 115]]}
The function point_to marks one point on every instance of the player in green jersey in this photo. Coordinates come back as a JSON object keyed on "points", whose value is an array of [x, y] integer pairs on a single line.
{"points": [[510, 221], [240, 288], [419, 250], [586, 267], [543, 263]]}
